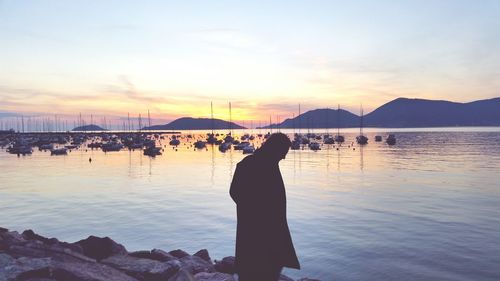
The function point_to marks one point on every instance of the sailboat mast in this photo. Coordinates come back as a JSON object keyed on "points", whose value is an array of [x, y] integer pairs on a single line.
{"points": [[212, 117], [230, 120], [298, 116], [149, 119], [338, 119]]}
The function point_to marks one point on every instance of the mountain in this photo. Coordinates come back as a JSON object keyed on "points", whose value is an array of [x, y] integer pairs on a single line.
{"points": [[8, 114], [188, 123], [404, 112], [88, 128], [320, 118]]}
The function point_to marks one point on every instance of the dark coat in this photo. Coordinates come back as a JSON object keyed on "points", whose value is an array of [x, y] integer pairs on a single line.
{"points": [[262, 237]]}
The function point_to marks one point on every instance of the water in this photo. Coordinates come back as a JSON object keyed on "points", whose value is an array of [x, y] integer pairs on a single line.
{"points": [[427, 208]]}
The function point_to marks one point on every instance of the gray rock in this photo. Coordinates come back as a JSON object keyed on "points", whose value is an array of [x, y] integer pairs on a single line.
{"points": [[31, 235], [5, 260], [285, 278], [195, 264], [100, 248], [46, 268], [143, 269], [155, 254], [203, 253], [178, 253], [36, 249], [15, 267], [161, 255], [215, 276], [226, 265], [182, 275], [11, 238], [3, 229]]}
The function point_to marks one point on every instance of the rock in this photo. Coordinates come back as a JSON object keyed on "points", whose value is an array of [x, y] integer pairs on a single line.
{"points": [[16, 267], [226, 265], [182, 275], [46, 268], [141, 254], [11, 237], [203, 253], [31, 235], [100, 248], [36, 249], [215, 276], [161, 255], [195, 264], [285, 278], [143, 269], [5, 260], [3, 230], [308, 279], [178, 253], [155, 254]]}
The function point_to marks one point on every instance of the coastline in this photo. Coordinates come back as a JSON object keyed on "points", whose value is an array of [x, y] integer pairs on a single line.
{"points": [[28, 256]]}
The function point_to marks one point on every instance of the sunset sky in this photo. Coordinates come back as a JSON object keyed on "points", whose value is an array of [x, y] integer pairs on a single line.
{"points": [[266, 57]]}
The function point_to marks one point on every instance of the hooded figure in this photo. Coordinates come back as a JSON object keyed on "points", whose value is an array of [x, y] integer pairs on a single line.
{"points": [[263, 242]]}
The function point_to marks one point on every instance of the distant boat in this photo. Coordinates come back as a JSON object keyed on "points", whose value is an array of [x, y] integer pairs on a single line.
{"points": [[328, 140], [339, 138], [241, 146], [361, 139], [224, 146], [59, 151], [391, 140], [248, 149], [174, 141], [152, 151], [20, 147], [314, 146], [200, 144], [111, 146]]}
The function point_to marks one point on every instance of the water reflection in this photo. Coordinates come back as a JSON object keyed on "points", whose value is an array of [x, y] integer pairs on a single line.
{"points": [[427, 207]]}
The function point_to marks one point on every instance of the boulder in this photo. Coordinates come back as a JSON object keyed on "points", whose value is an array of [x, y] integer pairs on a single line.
{"points": [[182, 275], [155, 254], [226, 265], [214, 276], [285, 278], [100, 248], [37, 249], [31, 235], [161, 255], [178, 253], [143, 269], [195, 264], [11, 238], [203, 253]]}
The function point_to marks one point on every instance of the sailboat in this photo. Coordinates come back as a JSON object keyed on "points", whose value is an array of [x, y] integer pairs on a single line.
{"points": [[339, 138], [211, 139], [361, 139]]}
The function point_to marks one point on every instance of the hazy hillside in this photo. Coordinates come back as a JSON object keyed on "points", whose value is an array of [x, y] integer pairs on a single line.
{"points": [[188, 123]]}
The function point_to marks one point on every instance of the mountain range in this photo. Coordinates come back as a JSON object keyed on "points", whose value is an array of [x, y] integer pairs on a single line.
{"points": [[404, 112]]}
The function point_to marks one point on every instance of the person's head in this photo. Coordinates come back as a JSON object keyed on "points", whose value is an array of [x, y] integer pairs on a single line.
{"points": [[275, 147]]}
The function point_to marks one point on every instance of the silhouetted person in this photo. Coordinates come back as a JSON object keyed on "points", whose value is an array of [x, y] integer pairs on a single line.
{"points": [[263, 242]]}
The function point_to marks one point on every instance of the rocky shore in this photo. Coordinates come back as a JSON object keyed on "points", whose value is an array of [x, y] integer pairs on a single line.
{"points": [[28, 256]]}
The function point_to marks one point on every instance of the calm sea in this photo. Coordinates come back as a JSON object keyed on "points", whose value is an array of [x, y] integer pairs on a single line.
{"points": [[427, 208]]}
